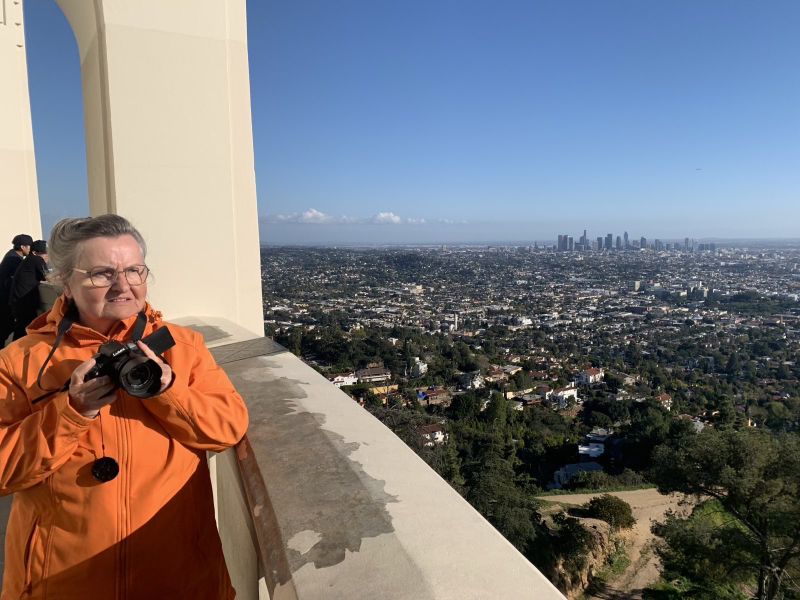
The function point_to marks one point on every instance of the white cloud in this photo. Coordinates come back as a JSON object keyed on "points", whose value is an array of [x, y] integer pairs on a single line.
{"points": [[386, 217], [451, 222], [313, 216]]}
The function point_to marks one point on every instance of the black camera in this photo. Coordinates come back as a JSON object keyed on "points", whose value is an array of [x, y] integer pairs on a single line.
{"points": [[128, 368]]}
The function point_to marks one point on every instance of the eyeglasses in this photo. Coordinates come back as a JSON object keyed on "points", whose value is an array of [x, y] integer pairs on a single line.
{"points": [[106, 276]]}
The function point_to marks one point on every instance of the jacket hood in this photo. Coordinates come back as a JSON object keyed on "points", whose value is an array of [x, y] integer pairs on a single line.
{"points": [[47, 324]]}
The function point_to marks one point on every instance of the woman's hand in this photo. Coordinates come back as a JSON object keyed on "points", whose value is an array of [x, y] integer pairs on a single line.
{"points": [[166, 371], [88, 397]]}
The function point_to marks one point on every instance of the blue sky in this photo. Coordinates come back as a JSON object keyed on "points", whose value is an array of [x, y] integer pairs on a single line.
{"points": [[441, 121]]}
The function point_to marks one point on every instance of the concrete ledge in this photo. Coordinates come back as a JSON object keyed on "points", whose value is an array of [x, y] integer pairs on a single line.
{"points": [[342, 508], [320, 500]]}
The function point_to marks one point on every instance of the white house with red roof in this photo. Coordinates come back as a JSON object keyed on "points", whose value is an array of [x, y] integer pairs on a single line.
{"points": [[563, 395], [590, 376], [665, 400]]}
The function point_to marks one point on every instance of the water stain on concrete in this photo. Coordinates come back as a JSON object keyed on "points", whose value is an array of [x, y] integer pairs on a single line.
{"points": [[312, 483]]}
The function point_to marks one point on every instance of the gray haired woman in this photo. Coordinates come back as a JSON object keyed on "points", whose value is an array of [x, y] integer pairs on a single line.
{"points": [[111, 490]]}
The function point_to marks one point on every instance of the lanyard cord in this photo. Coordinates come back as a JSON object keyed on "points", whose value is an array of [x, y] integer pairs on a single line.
{"points": [[64, 325], [102, 441]]}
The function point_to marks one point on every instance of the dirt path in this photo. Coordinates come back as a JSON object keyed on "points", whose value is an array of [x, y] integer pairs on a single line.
{"points": [[648, 506]]}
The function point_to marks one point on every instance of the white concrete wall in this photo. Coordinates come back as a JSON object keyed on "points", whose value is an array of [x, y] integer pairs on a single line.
{"points": [[235, 524], [166, 96], [19, 197]]}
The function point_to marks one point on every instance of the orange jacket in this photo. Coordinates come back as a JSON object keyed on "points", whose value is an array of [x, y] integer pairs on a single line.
{"points": [[148, 534]]}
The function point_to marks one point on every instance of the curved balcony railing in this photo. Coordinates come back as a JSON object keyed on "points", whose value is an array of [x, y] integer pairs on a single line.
{"points": [[321, 500]]}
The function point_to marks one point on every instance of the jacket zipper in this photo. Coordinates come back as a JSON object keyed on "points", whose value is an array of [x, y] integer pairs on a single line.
{"points": [[124, 447]]}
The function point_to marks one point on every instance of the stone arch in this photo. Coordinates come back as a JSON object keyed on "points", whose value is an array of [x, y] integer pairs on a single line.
{"points": [[166, 97]]}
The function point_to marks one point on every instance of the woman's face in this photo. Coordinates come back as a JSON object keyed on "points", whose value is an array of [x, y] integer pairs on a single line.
{"points": [[101, 307]]}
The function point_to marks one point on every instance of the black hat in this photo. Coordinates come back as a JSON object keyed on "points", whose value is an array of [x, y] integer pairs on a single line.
{"points": [[39, 246], [22, 240]]}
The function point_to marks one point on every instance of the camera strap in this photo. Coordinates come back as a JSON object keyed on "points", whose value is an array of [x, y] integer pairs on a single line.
{"points": [[138, 327], [64, 325]]}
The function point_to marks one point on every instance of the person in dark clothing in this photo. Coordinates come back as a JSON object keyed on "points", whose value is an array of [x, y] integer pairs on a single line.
{"points": [[24, 298], [9, 265]]}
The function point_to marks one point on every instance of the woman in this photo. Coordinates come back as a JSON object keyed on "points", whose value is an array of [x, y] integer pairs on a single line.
{"points": [[146, 531]]}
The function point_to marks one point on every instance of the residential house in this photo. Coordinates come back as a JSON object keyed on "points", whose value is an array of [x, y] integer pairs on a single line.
{"points": [[620, 396], [563, 395], [590, 376], [419, 368], [624, 377], [433, 434], [340, 379], [565, 473], [531, 399], [470, 381], [511, 369], [434, 395], [665, 400], [496, 374], [539, 375], [594, 444], [374, 375]]}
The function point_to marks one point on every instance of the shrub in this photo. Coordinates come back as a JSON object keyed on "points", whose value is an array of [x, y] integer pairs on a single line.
{"points": [[588, 480], [629, 478], [612, 510]]}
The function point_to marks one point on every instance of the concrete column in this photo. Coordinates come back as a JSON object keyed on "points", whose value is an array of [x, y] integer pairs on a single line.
{"points": [[19, 196], [166, 96]]}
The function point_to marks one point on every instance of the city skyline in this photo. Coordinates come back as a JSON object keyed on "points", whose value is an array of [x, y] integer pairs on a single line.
{"points": [[553, 243], [494, 124], [567, 243]]}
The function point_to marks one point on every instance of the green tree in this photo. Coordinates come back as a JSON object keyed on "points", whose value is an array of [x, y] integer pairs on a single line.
{"points": [[464, 406], [371, 399], [613, 383], [779, 416], [732, 368], [497, 411], [598, 419], [588, 480], [522, 380], [491, 489], [755, 477], [752, 372], [783, 372], [573, 541]]}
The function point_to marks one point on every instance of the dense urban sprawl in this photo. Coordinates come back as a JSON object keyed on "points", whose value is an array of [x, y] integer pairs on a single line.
{"points": [[514, 370]]}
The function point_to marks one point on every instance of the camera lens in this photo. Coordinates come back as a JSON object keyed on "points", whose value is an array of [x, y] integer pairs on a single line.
{"points": [[140, 377]]}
